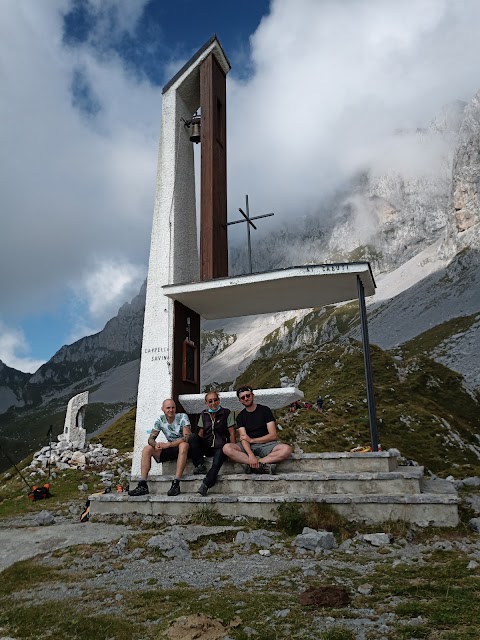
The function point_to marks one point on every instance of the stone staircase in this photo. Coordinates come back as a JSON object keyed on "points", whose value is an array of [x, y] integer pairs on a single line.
{"points": [[369, 487]]}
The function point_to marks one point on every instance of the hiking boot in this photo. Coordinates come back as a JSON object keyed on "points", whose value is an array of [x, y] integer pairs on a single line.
{"points": [[267, 468], [203, 489], [174, 489], [140, 490], [199, 469], [247, 468]]}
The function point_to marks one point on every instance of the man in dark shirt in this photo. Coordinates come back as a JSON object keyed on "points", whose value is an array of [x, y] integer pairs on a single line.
{"points": [[259, 450], [216, 427]]}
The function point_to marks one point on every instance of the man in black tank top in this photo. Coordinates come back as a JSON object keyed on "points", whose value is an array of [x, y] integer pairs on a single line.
{"points": [[259, 450]]}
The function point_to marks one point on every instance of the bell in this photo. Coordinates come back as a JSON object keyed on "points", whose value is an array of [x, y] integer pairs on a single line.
{"points": [[195, 135]]}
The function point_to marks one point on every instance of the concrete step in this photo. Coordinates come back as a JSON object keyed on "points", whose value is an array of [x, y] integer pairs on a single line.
{"points": [[425, 509], [336, 462], [394, 483]]}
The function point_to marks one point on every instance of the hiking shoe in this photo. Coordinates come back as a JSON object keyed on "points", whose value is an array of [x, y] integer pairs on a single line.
{"points": [[267, 468], [201, 468], [174, 489], [203, 489], [247, 468], [140, 490]]}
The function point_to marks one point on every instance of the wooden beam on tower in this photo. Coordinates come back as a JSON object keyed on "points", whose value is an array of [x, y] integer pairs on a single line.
{"points": [[213, 199]]}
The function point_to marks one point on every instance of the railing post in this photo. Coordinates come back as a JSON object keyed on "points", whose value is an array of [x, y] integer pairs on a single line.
{"points": [[372, 413]]}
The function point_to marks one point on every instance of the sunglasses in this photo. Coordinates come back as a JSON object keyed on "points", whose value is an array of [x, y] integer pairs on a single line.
{"points": [[245, 396], [212, 400]]}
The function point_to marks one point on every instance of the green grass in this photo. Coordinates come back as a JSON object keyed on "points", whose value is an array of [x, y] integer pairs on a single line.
{"points": [[120, 434], [427, 414], [337, 634], [443, 591], [207, 515], [64, 487], [63, 620], [24, 575], [429, 340]]}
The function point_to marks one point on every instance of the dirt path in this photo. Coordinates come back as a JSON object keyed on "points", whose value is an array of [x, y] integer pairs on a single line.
{"points": [[21, 543]]}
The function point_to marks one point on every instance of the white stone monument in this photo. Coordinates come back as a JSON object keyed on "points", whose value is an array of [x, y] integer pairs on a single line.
{"points": [[74, 434]]}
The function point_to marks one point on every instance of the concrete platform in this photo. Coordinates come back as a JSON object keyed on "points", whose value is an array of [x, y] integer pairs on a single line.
{"points": [[367, 487], [423, 509]]}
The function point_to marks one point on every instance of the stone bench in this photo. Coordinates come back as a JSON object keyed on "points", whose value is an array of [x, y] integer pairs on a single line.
{"points": [[331, 462], [401, 482]]}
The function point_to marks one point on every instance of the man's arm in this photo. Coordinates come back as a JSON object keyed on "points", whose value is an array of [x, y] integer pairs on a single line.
{"points": [[271, 435], [252, 459], [152, 438], [187, 431], [201, 430], [231, 427]]}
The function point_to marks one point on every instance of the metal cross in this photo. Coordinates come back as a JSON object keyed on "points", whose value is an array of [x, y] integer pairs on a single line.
{"points": [[249, 222]]}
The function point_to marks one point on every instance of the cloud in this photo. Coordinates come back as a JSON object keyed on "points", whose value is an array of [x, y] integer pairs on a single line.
{"points": [[14, 349], [100, 293], [328, 83], [332, 82], [73, 185]]}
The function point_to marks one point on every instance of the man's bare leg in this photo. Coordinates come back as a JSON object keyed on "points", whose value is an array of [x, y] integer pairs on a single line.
{"points": [[279, 453], [235, 454], [182, 459], [146, 464]]}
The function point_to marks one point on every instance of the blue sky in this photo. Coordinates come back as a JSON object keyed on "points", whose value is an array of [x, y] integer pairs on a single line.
{"points": [[80, 108]]}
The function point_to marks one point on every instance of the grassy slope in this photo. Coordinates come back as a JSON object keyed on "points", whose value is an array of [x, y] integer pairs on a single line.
{"points": [[120, 434], [422, 407], [426, 342]]}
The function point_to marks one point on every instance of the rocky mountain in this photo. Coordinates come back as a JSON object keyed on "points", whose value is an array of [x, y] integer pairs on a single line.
{"points": [[107, 364], [87, 359], [392, 210], [12, 383], [414, 214]]}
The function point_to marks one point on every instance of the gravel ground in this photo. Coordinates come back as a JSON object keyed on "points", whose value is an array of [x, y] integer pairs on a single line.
{"points": [[132, 558]]}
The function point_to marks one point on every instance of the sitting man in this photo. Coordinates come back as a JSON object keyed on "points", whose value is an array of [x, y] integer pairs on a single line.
{"points": [[216, 427], [176, 429], [259, 449]]}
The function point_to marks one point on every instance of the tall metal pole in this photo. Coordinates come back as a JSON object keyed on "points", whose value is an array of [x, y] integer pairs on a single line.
{"points": [[372, 412]]}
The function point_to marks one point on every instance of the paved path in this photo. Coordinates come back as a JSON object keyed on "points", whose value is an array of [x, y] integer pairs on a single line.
{"points": [[21, 543]]}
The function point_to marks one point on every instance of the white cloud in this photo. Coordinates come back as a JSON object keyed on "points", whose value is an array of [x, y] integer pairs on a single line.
{"points": [[100, 293], [14, 350], [72, 187], [333, 80], [116, 15], [109, 285]]}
